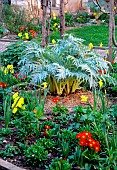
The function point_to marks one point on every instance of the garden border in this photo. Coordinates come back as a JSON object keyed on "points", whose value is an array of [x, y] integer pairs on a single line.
{"points": [[4, 165]]}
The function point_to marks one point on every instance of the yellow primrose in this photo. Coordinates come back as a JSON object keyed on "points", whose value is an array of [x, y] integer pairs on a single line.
{"points": [[20, 34], [14, 110], [54, 18], [65, 11], [15, 95], [55, 24], [84, 98], [115, 8], [90, 46], [45, 85], [26, 36], [100, 83], [53, 41], [101, 44]]}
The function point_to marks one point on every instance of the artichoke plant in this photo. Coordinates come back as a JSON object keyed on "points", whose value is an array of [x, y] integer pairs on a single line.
{"points": [[64, 66]]}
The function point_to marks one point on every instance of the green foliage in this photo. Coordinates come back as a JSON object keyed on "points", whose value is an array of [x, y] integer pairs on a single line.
{"points": [[13, 17], [83, 17], [27, 124], [64, 67], [36, 154], [69, 20], [60, 164], [9, 151], [13, 54]]}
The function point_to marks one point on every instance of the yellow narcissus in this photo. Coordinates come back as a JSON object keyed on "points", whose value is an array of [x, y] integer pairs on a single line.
{"points": [[84, 98], [100, 83], [90, 46]]}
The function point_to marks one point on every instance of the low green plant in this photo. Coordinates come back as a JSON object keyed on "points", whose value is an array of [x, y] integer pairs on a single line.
{"points": [[13, 54], [36, 155], [9, 152], [83, 17], [60, 164], [69, 20]]}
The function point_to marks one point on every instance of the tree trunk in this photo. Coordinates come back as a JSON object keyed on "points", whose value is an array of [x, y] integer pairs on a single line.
{"points": [[62, 18], [111, 29], [44, 7]]}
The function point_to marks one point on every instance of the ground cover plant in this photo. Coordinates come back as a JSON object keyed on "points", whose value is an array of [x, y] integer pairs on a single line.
{"points": [[85, 138]]}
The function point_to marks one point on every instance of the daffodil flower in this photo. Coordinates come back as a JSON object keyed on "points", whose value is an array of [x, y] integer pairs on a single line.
{"points": [[45, 85], [53, 41], [20, 34], [54, 18], [54, 14], [84, 98], [101, 44], [26, 36], [90, 46], [100, 83]]}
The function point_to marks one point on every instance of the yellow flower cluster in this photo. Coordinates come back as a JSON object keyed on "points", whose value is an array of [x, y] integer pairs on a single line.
{"points": [[18, 103], [26, 35], [54, 16], [8, 69], [55, 25]]}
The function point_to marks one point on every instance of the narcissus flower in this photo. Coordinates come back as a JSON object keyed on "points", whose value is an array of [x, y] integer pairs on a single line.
{"points": [[90, 46], [100, 83], [54, 14], [20, 34], [53, 41], [45, 85], [54, 18], [101, 44], [55, 25], [84, 98], [26, 36]]}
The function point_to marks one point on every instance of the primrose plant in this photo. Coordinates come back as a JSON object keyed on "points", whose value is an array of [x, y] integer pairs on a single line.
{"points": [[64, 66]]}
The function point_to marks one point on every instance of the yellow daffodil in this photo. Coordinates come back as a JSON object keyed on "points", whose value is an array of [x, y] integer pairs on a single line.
{"points": [[107, 51], [115, 8], [55, 24], [20, 34], [53, 41], [105, 91], [101, 44], [100, 83], [26, 36], [14, 110], [95, 13], [15, 95], [90, 46], [10, 67], [65, 11], [5, 71], [54, 14], [45, 85], [54, 18], [84, 98]]}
